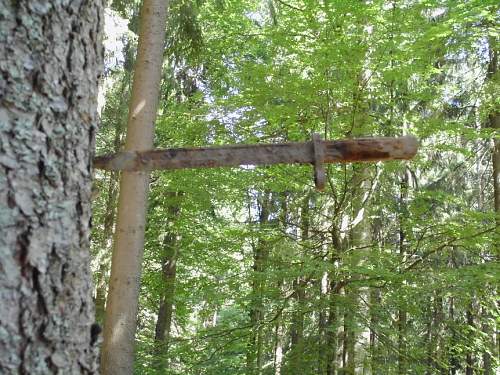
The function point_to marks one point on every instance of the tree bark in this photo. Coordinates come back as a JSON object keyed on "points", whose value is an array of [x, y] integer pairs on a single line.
{"points": [[261, 253], [169, 270], [402, 313], [50, 62], [360, 237], [469, 358], [121, 309], [299, 284], [104, 245], [332, 320], [107, 233], [494, 120]]}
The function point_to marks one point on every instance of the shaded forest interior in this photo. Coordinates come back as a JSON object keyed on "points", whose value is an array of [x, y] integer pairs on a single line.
{"points": [[393, 268]]}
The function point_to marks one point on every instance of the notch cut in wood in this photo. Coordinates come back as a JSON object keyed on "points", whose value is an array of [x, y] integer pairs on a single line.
{"points": [[316, 152]]}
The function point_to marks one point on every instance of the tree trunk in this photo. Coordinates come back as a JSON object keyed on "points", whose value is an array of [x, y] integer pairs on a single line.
{"points": [[322, 325], [402, 314], [261, 252], [332, 321], [297, 328], [278, 344], [494, 120], [50, 61], [279, 330], [165, 311], [360, 237], [454, 363], [106, 234], [121, 309], [101, 285], [469, 358]]}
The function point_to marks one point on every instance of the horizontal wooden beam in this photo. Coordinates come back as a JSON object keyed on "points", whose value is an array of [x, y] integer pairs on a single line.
{"points": [[344, 151]]}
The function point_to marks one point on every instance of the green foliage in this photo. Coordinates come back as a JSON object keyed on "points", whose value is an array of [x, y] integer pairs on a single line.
{"points": [[399, 255]]}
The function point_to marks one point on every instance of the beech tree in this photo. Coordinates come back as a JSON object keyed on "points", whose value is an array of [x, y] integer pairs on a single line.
{"points": [[50, 62], [122, 302]]}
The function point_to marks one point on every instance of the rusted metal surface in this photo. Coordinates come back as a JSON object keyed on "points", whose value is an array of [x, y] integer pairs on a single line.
{"points": [[345, 151]]}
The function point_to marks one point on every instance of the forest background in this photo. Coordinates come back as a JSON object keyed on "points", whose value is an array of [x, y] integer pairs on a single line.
{"points": [[251, 271]]}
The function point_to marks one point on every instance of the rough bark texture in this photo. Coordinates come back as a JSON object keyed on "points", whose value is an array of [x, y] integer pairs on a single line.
{"points": [[122, 303], [50, 59]]}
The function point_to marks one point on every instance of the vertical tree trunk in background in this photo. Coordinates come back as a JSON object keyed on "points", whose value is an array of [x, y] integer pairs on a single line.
{"points": [[50, 61], [106, 237], [332, 320], [360, 238], [494, 123], [279, 325], [454, 363], [433, 335], [101, 285], [494, 119], [375, 298], [299, 284], [402, 315], [322, 350], [469, 358], [121, 310], [169, 269], [261, 253]]}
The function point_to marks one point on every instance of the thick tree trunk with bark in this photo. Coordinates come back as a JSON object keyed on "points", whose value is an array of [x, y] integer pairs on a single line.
{"points": [[122, 304], [50, 61]]}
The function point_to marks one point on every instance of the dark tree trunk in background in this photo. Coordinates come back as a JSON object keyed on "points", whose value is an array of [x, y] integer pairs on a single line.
{"points": [[50, 59], [260, 256], [169, 270], [469, 358], [494, 120]]}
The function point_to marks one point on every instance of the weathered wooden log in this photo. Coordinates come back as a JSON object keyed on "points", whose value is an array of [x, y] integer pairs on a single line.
{"points": [[345, 151]]}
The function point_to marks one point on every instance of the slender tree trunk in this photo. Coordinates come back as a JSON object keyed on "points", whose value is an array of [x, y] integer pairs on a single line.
{"points": [[402, 315], [169, 269], [121, 309], [261, 252], [332, 321], [279, 330], [106, 237], [469, 358], [297, 328], [322, 325], [454, 363], [109, 219], [360, 237], [375, 299], [50, 61], [278, 345], [494, 120]]}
